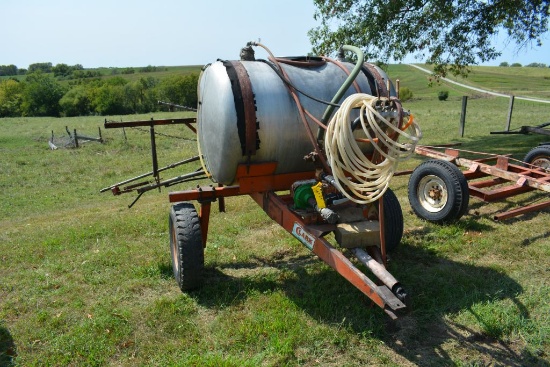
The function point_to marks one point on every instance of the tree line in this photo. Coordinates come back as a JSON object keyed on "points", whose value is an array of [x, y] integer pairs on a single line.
{"points": [[517, 64], [41, 93]]}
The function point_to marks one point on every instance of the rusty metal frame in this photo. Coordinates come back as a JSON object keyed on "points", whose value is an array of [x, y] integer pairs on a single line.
{"points": [[152, 123], [260, 182], [505, 179], [144, 186]]}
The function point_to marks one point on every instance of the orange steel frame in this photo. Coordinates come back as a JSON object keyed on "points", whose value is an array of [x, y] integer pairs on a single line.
{"points": [[504, 178], [260, 182]]}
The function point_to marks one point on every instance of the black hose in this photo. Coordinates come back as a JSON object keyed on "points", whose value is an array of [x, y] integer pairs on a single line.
{"points": [[289, 83]]}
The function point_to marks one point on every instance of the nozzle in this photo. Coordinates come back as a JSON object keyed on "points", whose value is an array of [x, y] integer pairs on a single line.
{"points": [[400, 293]]}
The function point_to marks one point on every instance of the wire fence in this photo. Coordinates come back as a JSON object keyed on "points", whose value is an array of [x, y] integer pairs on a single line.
{"points": [[72, 140], [162, 134]]}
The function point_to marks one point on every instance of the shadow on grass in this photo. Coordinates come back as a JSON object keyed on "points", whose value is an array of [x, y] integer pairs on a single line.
{"points": [[7, 347], [438, 287], [445, 288], [527, 241], [479, 208], [515, 144]]}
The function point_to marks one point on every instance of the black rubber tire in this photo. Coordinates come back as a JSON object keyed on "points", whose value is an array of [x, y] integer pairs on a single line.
{"points": [[539, 156], [444, 179], [186, 247], [393, 220]]}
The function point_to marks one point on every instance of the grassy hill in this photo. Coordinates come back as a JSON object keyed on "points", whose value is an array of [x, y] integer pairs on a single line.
{"points": [[86, 281], [518, 81], [159, 72]]}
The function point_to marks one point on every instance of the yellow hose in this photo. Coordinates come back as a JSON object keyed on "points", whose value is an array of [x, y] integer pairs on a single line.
{"points": [[359, 179]]}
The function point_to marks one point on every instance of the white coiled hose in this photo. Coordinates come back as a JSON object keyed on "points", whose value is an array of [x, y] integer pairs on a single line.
{"points": [[359, 179]]}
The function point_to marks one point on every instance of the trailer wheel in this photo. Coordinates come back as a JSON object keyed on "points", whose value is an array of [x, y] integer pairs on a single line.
{"points": [[539, 156], [438, 191], [186, 246], [393, 220]]}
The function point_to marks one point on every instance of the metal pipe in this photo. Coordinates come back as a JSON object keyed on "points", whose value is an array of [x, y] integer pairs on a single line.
{"points": [[172, 181], [154, 154], [374, 266], [192, 159]]}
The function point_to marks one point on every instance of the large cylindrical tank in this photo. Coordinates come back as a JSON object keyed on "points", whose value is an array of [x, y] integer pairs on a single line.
{"points": [[246, 113]]}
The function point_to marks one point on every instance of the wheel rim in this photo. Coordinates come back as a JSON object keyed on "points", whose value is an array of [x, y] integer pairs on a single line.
{"points": [[542, 161], [174, 245], [432, 193]]}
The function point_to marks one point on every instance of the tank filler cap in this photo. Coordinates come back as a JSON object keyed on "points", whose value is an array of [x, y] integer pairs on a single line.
{"points": [[247, 53]]}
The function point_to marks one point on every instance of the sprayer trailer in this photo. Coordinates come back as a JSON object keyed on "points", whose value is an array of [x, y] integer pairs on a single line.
{"points": [[314, 142]]}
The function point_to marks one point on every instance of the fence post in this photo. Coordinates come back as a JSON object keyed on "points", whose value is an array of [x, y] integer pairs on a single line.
{"points": [[75, 139], [100, 137], [463, 116], [510, 109]]}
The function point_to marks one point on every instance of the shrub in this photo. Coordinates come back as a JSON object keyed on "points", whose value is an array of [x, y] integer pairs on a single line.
{"points": [[516, 65], [405, 94], [504, 64], [148, 69], [10, 97], [443, 95], [536, 65], [76, 102], [128, 71], [180, 89], [41, 95]]}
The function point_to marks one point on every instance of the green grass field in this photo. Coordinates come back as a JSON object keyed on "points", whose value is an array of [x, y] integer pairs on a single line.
{"points": [[86, 281]]}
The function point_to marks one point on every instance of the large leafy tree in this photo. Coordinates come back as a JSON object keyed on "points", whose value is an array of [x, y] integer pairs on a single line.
{"points": [[10, 97], [180, 89], [451, 34], [76, 102], [41, 95]]}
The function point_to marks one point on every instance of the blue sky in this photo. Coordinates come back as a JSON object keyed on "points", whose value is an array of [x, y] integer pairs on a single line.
{"points": [[123, 33]]}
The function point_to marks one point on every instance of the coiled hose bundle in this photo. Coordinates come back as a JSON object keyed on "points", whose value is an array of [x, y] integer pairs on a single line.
{"points": [[356, 176]]}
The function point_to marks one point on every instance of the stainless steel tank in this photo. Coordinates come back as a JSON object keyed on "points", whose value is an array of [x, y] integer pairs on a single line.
{"points": [[246, 113]]}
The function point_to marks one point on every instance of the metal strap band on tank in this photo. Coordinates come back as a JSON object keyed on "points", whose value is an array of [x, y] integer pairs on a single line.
{"points": [[370, 79], [238, 100], [251, 123], [245, 105], [381, 90]]}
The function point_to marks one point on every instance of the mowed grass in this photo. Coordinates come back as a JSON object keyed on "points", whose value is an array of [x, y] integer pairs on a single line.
{"points": [[519, 81], [86, 281]]}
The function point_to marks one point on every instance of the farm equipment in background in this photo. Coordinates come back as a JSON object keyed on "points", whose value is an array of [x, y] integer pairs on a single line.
{"points": [[439, 191], [540, 155], [267, 129]]}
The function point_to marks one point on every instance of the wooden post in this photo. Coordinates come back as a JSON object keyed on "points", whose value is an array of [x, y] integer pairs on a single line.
{"points": [[100, 137], [75, 139], [397, 87], [463, 116], [510, 109]]}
